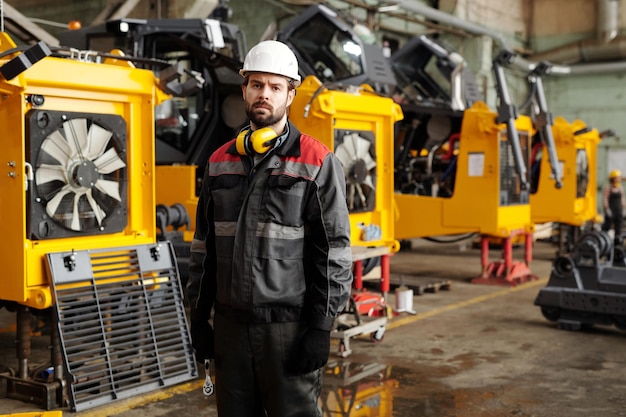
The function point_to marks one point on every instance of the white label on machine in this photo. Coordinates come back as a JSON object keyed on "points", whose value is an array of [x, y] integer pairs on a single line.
{"points": [[476, 164]]}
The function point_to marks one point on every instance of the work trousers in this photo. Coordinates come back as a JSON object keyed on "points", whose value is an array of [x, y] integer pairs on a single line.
{"points": [[252, 377]]}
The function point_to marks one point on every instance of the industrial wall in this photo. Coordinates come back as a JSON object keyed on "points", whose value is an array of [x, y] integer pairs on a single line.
{"points": [[586, 35]]}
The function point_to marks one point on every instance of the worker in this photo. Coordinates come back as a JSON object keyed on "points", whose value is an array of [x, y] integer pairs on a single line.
{"points": [[271, 252], [614, 202]]}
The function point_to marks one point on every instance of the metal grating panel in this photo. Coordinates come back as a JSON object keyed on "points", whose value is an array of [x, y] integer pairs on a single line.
{"points": [[121, 321], [510, 185]]}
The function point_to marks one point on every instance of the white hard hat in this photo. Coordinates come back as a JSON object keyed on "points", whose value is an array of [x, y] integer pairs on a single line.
{"points": [[272, 57]]}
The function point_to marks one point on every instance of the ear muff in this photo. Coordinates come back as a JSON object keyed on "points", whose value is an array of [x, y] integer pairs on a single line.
{"points": [[241, 141], [259, 141]]}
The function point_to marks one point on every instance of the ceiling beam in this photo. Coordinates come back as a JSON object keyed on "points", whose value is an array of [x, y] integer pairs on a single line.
{"points": [[27, 31]]}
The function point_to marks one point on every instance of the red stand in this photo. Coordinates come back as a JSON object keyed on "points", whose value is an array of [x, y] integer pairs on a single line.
{"points": [[370, 303], [506, 271]]}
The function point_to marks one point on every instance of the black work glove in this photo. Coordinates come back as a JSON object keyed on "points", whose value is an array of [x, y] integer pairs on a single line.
{"points": [[313, 352], [202, 339]]}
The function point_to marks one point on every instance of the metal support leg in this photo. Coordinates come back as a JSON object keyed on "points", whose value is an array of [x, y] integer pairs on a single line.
{"points": [[484, 254], [358, 275], [385, 285], [23, 345], [507, 253], [528, 248]]}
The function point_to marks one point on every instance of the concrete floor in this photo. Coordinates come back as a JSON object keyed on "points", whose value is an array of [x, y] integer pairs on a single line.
{"points": [[472, 350]]}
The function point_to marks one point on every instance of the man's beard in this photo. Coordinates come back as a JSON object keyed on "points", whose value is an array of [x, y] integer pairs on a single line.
{"points": [[261, 120]]}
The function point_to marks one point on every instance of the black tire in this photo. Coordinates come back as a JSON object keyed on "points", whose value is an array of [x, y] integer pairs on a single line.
{"points": [[551, 313], [376, 339]]}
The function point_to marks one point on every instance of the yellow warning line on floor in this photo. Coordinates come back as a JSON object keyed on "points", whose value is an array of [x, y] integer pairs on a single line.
{"points": [[420, 316], [129, 404]]}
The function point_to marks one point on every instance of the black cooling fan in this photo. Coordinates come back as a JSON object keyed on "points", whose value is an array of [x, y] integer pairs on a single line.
{"points": [[355, 151], [79, 164]]}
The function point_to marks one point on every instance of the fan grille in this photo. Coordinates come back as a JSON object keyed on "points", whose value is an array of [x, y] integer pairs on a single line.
{"points": [[122, 322], [79, 162], [356, 152]]}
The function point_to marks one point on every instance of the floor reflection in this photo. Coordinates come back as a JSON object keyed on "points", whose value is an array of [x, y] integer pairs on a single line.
{"points": [[357, 390]]}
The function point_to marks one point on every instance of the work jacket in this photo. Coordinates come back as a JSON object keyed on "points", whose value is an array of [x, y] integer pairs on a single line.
{"points": [[272, 241]]}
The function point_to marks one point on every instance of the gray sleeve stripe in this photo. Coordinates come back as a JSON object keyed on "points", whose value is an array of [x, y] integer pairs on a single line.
{"points": [[198, 246], [340, 253]]}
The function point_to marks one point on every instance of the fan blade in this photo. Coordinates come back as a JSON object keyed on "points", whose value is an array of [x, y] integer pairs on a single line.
{"points": [[76, 214], [46, 173], [109, 162], [348, 143], [368, 181], [76, 134], [360, 146], [57, 147], [100, 214], [344, 158], [362, 197], [54, 202], [98, 139], [110, 188], [369, 162]]}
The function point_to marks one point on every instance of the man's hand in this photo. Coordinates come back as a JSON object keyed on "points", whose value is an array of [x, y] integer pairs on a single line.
{"points": [[609, 213], [313, 352], [202, 340]]}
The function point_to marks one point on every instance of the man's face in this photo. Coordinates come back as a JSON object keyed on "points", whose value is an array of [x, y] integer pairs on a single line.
{"points": [[267, 98]]}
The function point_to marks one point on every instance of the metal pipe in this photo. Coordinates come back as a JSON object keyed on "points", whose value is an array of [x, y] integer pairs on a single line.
{"points": [[507, 113], [586, 51], [608, 24], [546, 124]]}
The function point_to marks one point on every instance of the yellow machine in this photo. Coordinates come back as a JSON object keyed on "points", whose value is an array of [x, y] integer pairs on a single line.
{"points": [[562, 170], [575, 203], [189, 128], [482, 194], [462, 168], [358, 125], [485, 199], [78, 221]]}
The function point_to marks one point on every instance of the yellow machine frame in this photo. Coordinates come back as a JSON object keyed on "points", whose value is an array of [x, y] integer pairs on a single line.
{"points": [[563, 205], [321, 112], [78, 217], [71, 86], [475, 204]]}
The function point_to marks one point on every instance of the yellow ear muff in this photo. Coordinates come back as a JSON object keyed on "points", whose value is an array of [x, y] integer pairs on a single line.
{"points": [[262, 140], [259, 141], [241, 142]]}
